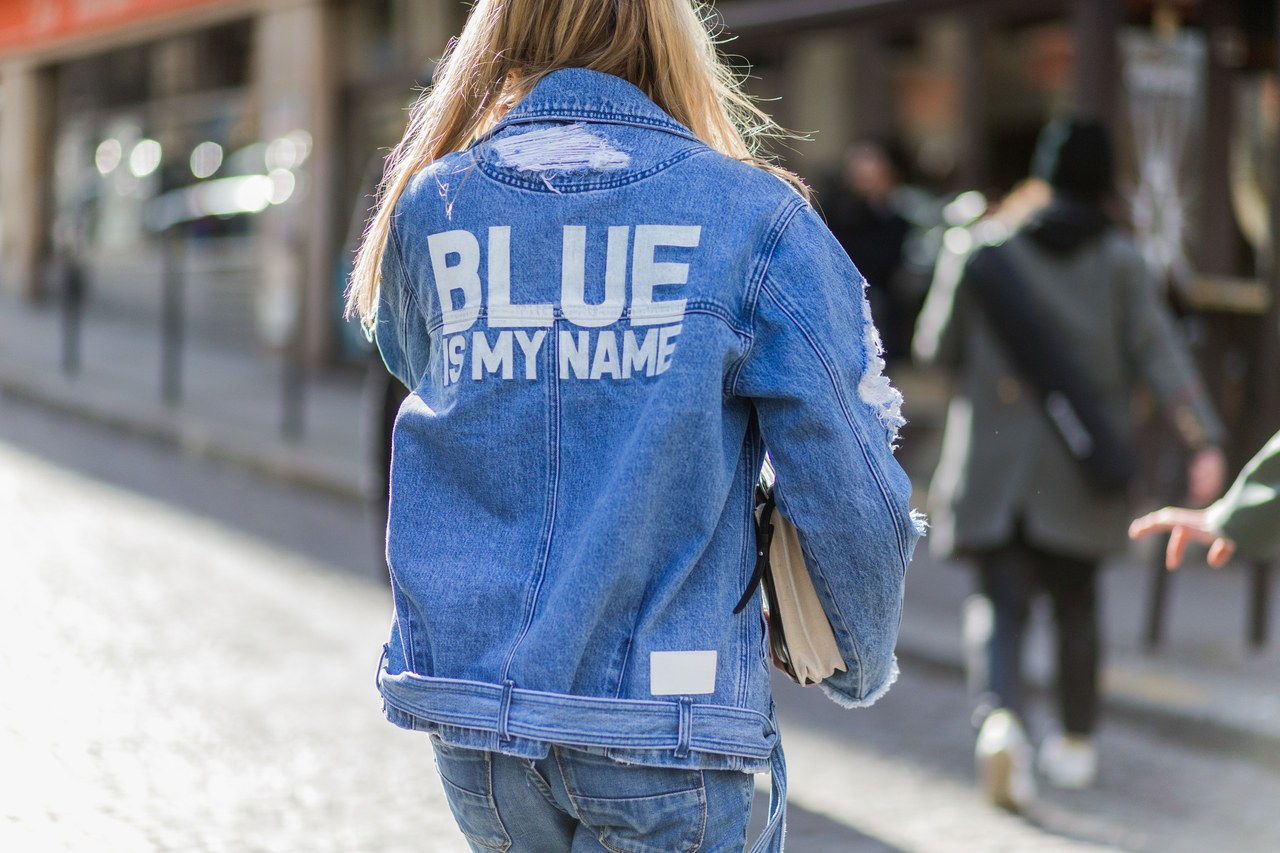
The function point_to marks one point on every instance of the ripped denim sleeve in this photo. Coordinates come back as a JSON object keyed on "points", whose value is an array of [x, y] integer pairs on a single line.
{"points": [[875, 390]]}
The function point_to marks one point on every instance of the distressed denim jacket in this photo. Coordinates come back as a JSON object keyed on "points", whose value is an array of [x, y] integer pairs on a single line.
{"points": [[605, 324]]}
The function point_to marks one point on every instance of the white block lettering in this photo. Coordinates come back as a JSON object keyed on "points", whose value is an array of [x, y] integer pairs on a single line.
{"points": [[456, 347], [575, 355], [646, 273], [573, 279], [666, 346], [462, 277], [502, 314], [642, 358], [529, 346], [605, 361], [484, 359]]}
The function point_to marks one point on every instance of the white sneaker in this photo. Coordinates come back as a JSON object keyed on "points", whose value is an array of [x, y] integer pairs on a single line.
{"points": [[1002, 758], [1069, 761]]}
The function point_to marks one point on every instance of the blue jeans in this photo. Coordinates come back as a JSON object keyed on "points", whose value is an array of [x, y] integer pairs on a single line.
{"points": [[576, 801]]}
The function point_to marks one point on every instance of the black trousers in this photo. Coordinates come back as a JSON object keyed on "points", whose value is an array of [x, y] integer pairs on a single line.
{"points": [[1010, 577]]}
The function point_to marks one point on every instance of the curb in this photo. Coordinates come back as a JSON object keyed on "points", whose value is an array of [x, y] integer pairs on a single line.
{"points": [[277, 460]]}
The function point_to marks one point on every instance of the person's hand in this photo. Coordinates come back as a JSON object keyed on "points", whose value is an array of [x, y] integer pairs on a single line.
{"points": [[1206, 475], [1183, 526]]}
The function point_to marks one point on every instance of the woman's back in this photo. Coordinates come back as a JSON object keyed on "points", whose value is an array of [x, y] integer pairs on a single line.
{"points": [[593, 309]]}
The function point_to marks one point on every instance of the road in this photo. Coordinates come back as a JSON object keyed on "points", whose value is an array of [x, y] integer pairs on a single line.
{"points": [[186, 664]]}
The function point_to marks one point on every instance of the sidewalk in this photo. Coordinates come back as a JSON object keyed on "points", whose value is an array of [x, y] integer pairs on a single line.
{"points": [[1203, 684], [232, 404]]}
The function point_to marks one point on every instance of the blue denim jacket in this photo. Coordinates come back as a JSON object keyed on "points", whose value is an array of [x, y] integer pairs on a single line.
{"points": [[605, 324]]}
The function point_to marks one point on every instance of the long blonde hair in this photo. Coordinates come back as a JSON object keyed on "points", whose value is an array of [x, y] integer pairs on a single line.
{"points": [[664, 47]]}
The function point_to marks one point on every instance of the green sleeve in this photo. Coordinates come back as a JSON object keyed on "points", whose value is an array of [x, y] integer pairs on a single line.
{"points": [[1249, 513]]}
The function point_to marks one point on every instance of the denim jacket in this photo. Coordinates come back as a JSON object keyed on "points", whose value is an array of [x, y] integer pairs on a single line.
{"points": [[605, 324]]}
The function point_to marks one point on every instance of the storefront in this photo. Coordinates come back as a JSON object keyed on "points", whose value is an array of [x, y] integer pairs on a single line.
{"points": [[239, 131]]}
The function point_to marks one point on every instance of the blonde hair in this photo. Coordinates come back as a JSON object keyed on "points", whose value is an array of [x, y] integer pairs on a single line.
{"points": [[664, 47]]}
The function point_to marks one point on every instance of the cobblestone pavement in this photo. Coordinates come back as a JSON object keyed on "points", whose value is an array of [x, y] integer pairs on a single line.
{"points": [[186, 661]]}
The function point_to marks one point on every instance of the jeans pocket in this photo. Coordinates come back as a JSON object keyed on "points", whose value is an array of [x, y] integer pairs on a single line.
{"points": [[467, 775], [636, 809]]}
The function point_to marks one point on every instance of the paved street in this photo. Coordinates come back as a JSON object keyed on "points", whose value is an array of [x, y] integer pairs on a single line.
{"points": [[186, 663]]}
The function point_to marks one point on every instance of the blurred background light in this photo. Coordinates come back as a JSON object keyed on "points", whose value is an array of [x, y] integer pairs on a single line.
{"points": [[206, 158], [108, 155], [145, 158], [282, 184]]}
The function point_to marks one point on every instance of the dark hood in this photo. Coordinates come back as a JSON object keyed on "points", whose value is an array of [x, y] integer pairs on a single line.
{"points": [[1066, 224]]}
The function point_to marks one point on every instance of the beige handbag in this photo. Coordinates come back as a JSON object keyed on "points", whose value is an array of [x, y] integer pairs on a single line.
{"points": [[800, 636]]}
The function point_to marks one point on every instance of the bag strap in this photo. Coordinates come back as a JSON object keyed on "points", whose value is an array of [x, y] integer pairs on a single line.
{"points": [[764, 537], [1039, 351]]}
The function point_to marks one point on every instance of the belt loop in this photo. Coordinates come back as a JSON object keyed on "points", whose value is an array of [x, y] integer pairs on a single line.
{"points": [[685, 732], [504, 710]]}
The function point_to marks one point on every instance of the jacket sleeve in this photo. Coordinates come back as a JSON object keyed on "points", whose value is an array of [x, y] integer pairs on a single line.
{"points": [[1249, 513], [400, 330], [1158, 354], [828, 418]]}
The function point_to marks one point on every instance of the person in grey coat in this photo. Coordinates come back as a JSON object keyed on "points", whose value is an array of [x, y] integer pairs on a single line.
{"points": [[1007, 494]]}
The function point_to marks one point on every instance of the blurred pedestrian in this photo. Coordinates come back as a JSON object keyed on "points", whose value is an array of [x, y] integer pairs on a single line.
{"points": [[1050, 321], [863, 210], [607, 307], [1245, 520]]}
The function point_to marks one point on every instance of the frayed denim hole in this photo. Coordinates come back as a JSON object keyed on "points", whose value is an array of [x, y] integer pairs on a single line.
{"points": [[556, 150], [875, 389]]}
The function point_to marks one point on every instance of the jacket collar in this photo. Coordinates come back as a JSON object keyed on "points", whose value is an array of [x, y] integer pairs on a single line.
{"points": [[584, 94]]}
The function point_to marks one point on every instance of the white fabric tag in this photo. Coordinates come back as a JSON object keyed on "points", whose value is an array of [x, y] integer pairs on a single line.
{"points": [[682, 672]]}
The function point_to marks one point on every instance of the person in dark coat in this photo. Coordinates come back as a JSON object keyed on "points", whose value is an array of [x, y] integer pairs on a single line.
{"points": [[1007, 492], [862, 211]]}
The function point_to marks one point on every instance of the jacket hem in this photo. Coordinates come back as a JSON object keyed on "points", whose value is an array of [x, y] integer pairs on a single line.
{"points": [[672, 733]]}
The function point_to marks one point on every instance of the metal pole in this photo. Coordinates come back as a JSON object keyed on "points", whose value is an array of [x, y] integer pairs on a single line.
{"points": [[974, 166], [294, 375], [72, 313], [172, 329], [1260, 590], [1154, 634], [1096, 23]]}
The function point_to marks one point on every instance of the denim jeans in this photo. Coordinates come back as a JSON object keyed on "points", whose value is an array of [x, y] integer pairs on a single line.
{"points": [[577, 801], [1010, 576]]}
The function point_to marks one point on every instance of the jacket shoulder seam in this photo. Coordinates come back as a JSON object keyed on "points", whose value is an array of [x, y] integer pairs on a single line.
{"points": [[764, 258], [410, 301]]}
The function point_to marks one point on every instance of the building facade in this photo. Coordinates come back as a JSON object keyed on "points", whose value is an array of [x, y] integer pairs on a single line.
{"points": [[242, 128], [250, 130]]}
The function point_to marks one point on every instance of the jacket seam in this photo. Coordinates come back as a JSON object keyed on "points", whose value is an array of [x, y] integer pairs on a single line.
{"points": [[745, 568], [606, 116], [752, 296], [493, 174], [549, 521], [709, 309], [411, 300], [844, 409]]}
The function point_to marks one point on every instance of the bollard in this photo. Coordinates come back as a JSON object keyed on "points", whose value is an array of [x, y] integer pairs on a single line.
{"points": [[1153, 636], [1260, 605], [172, 330], [73, 287], [293, 374]]}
